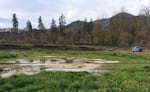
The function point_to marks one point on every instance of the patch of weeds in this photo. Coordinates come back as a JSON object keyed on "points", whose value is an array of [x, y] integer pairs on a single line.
{"points": [[1, 69]]}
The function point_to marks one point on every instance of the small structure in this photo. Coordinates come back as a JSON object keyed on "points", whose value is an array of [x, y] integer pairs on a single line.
{"points": [[137, 49]]}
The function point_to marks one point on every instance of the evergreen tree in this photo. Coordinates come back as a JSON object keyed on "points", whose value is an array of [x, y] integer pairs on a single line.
{"points": [[29, 26], [53, 32], [15, 22], [41, 25], [62, 22], [53, 24]]}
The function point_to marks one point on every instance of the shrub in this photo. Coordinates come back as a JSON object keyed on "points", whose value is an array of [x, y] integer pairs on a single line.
{"points": [[1, 69]]}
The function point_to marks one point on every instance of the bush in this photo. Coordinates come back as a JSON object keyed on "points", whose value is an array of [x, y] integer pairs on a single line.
{"points": [[4, 55], [6, 87], [1, 69]]}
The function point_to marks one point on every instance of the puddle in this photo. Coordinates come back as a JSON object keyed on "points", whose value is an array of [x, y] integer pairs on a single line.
{"points": [[47, 63]]}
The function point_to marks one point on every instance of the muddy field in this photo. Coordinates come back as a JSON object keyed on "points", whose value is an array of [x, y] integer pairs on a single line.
{"points": [[48, 63]]}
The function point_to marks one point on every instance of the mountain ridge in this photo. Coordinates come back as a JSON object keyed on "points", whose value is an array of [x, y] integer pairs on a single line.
{"points": [[78, 25]]}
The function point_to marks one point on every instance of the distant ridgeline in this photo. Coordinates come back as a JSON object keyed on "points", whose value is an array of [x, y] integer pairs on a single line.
{"points": [[122, 29]]}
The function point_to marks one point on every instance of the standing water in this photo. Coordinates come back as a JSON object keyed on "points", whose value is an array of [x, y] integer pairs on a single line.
{"points": [[27, 66]]}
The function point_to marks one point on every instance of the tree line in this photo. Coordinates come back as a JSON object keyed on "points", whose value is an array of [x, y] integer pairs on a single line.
{"points": [[120, 31], [125, 30]]}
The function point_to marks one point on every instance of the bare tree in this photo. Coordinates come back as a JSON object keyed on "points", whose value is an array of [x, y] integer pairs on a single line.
{"points": [[146, 12], [98, 34], [114, 31]]}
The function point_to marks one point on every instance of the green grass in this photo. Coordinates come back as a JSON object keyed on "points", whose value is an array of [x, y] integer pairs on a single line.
{"points": [[124, 77], [5, 55], [120, 81], [108, 55]]}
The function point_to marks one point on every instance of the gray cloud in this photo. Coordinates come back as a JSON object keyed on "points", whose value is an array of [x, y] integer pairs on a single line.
{"points": [[72, 9]]}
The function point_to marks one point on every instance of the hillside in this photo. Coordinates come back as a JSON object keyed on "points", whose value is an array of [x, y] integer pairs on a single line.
{"points": [[78, 25]]}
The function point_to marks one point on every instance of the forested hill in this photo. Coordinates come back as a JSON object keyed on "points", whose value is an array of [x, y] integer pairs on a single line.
{"points": [[121, 29], [79, 25]]}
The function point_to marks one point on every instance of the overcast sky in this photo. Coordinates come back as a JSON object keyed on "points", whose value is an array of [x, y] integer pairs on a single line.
{"points": [[72, 9]]}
